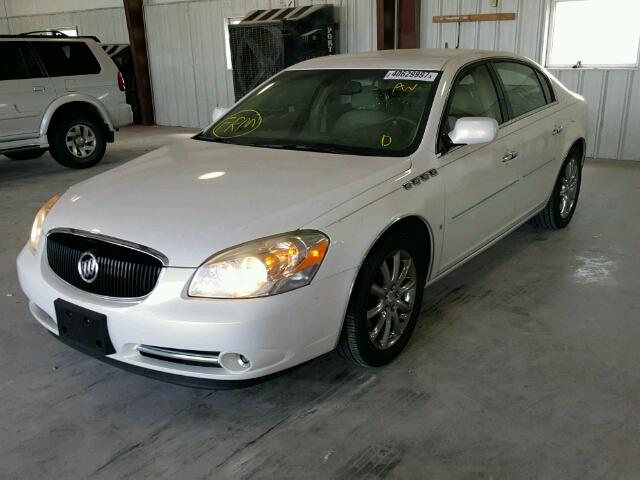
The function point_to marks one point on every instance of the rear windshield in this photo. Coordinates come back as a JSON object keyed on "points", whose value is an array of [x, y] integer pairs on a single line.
{"points": [[362, 112]]}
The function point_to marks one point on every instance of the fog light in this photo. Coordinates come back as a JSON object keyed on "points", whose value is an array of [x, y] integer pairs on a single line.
{"points": [[234, 362]]}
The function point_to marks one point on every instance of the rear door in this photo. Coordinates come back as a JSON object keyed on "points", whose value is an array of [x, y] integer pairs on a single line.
{"points": [[479, 183], [535, 131], [72, 67], [25, 91]]}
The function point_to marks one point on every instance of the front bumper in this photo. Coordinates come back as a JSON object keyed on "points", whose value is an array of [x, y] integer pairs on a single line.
{"points": [[273, 333]]}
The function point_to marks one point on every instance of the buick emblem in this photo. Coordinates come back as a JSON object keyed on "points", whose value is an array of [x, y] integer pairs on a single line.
{"points": [[88, 267]]}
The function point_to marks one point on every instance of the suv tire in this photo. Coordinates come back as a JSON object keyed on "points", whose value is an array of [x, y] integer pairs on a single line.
{"points": [[77, 141], [26, 154]]}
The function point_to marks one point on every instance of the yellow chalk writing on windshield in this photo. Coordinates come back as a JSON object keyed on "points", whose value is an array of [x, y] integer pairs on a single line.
{"points": [[401, 87], [237, 124], [385, 140]]}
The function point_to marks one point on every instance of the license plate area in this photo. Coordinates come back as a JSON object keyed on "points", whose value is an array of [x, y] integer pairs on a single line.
{"points": [[82, 327]]}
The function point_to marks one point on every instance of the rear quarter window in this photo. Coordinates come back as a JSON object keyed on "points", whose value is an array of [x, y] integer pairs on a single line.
{"points": [[66, 59]]}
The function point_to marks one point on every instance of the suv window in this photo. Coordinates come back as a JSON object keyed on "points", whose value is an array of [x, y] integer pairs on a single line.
{"points": [[66, 59], [521, 86], [17, 62], [473, 95]]}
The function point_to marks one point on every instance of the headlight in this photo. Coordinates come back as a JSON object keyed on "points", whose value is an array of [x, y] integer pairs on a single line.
{"points": [[263, 267], [36, 228]]}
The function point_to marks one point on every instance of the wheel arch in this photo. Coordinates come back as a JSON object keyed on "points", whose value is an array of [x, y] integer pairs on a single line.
{"points": [[76, 102], [580, 144], [411, 222]]}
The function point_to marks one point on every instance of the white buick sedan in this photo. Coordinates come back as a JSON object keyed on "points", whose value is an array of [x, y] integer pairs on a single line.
{"points": [[309, 217]]}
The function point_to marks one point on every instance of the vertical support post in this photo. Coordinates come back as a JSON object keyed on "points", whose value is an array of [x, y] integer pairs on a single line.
{"points": [[138, 42]]}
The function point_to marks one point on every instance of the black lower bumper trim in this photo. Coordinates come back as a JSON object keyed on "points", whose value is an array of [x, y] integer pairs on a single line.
{"points": [[183, 380]]}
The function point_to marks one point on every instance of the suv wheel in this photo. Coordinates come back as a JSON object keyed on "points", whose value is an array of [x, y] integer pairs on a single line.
{"points": [[77, 142], [26, 154], [385, 302]]}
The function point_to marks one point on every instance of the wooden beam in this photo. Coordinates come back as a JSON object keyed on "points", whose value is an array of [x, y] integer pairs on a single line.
{"points": [[138, 42], [482, 17]]}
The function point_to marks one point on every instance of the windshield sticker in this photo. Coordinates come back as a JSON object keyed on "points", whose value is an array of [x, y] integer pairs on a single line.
{"points": [[416, 75], [401, 87], [385, 140], [238, 124]]}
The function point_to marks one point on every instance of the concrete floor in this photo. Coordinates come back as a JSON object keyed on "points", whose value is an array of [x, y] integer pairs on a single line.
{"points": [[525, 364]]}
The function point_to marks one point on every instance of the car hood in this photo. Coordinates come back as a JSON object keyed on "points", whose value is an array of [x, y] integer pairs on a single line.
{"points": [[191, 199]]}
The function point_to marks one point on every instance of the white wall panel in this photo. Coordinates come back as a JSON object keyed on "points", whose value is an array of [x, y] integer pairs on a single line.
{"points": [[186, 51], [613, 95], [631, 139]]}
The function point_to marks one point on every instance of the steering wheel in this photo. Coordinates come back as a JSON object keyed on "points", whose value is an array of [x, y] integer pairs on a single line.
{"points": [[404, 120]]}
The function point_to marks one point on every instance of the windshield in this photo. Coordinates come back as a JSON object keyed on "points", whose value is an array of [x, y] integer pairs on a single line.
{"points": [[362, 112]]}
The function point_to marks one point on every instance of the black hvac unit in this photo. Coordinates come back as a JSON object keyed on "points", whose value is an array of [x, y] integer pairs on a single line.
{"points": [[267, 41]]}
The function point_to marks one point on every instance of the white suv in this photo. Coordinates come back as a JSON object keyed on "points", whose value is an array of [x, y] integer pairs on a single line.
{"points": [[61, 94]]}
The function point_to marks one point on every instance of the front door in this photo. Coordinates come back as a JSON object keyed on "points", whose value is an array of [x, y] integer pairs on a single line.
{"points": [[479, 179], [25, 92]]}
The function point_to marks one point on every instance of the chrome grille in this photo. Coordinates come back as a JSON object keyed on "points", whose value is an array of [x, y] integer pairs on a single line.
{"points": [[123, 271]]}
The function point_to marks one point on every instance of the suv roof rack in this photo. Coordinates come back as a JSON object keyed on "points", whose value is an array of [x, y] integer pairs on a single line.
{"points": [[50, 34]]}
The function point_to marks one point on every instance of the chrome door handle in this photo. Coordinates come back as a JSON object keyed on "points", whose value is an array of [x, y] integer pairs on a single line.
{"points": [[510, 155], [38, 89], [557, 130]]}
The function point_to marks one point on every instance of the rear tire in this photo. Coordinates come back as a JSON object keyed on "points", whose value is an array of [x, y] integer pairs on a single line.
{"points": [[384, 306], [26, 154], [558, 212], [77, 141]]}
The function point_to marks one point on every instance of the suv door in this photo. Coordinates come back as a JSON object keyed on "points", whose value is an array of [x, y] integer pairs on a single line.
{"points": [[25, 92], [72, 67], [533, 130], [478, 182]]}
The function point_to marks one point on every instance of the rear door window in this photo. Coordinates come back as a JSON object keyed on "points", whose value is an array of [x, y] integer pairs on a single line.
{"points": [[13, 65], [66, 59], [521, 86]]}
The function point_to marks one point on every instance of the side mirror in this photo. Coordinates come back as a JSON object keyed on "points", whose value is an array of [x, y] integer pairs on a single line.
{"points": [[218, 113], [474, 130]]}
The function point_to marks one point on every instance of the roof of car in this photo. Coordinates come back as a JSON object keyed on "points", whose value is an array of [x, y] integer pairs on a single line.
{"points": [[423, 59]]}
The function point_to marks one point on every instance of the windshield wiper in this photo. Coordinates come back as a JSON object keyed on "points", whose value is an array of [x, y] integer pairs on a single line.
{"points": [[302, 147]]}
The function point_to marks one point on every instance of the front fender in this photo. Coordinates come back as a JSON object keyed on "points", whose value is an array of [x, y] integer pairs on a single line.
{"points": [[73, 97]]}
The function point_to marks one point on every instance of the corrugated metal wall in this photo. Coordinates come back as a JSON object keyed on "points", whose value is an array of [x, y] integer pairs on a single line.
{"points": [[187, 55], [613, 95], [108, 24]]}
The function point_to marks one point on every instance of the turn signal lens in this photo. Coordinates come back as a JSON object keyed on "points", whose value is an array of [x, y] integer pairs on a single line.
{"points": [[263, 267], [36, 228]]}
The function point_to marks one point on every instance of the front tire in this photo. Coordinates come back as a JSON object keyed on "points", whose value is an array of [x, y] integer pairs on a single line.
{"points": [[563, 202], [385, 301], [77, 141]]}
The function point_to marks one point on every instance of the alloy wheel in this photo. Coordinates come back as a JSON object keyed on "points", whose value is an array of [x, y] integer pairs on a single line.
{"points": [[80, 141], [392, 299], [569, 187]]}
